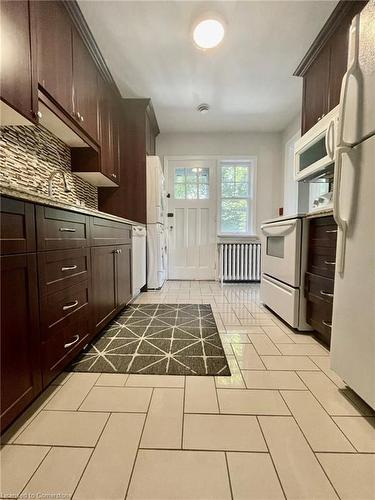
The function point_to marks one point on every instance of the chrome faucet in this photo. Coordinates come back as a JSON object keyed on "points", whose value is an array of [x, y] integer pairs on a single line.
{"points": [[51, 177]]}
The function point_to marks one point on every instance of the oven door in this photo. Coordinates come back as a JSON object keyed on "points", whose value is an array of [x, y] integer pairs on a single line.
{"points": [[281, 250]]}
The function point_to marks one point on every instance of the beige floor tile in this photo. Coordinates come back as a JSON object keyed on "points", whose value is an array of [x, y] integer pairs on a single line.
{"points": [[253, 477], [58, 474], [64, 428], [299, 471], [163, 427], [289, 363], [184, 475], [228, 349], [324, 363], [112, 379], [245, 329], [251, 402], [360, 431], [62, 378], [117, 399], [257, 322], [155, 381], [235, 381], [29, 414], [267, 379], [303, 350], [277, 336], [328, 394], [353, 475], [247, 357], [18, 464], [200, 395], [223, 432], [263, 344], [73, 392], [108, 472], [234, 338], [317, 426]]}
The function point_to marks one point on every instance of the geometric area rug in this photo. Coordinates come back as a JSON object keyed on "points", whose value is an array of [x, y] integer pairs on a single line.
{"points": [[157, 339]]}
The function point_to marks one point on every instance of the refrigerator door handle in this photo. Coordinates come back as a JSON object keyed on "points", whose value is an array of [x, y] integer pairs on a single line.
{"points": [[340, 221], [351, 72]]}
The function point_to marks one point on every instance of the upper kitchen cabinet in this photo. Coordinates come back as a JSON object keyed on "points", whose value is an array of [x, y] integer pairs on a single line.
{"points": [[138, 131], [325, 63], [55, 64], [17, 76], [85, 87]]}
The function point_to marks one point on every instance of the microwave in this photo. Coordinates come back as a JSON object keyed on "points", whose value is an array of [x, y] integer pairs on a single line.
{"points": [[314, 152]]}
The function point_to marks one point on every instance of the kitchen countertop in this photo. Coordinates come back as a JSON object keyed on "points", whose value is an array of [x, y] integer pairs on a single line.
{"points": [[22, 194], [323, 212]]}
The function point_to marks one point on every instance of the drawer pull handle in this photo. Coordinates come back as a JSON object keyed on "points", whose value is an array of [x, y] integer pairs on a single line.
{"points": [[69, 306], [331, 231], [68, 268], [326, 294], [327, 323], [67, 230], [76, 339], [329, 263]]}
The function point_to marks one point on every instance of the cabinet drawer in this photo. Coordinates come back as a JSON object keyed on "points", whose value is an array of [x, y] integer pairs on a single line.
{"points": [[319, 316], [60, 229], [323, 232], [319, 287], [322, 261], [17, 228], [68, 339], [107, 232], [56, 306], [62, 268]]}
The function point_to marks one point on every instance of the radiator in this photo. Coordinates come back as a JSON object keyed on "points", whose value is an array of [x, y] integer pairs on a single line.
{"points": [[239, 262]]}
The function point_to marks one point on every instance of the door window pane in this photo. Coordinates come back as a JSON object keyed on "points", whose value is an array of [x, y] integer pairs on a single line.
{"points": [[179, 175], [203, 191], [191, 191], [191, 183], [179, 191], [234, 216]]}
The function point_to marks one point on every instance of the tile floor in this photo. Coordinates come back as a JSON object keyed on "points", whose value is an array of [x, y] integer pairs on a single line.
{"points": [[282, 426]]}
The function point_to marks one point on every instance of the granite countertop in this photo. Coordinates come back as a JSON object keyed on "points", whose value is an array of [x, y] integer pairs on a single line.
{"points": [[22, 194], [323, 212]]}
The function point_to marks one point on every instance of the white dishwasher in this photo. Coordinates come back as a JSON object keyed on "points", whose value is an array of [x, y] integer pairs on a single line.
{"points": [[138, 259]]}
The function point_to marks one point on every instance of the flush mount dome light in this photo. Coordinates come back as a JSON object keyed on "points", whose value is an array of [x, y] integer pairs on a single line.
{"points": [[203, 108], [208, 33]]}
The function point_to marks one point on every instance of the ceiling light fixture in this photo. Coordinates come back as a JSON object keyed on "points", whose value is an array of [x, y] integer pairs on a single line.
{"points": [[203, 108], [208, 33]]}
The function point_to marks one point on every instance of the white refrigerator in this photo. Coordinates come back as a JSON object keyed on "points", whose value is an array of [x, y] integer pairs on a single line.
{"points": [[156, 224], [353, 322]]}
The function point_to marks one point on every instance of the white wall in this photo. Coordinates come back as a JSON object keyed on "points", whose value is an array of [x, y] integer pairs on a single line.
{"points": [[265, 146]]}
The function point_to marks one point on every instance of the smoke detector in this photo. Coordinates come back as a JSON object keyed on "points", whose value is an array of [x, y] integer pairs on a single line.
{"points": [[203, 108]]}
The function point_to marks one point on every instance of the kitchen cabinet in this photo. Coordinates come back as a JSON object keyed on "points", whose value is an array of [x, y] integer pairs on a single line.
{"points": [[17, 228], [124, 266], [55, 53], [325, 63], [85, 87], [138, 131], [18, 86], [20, 358]]}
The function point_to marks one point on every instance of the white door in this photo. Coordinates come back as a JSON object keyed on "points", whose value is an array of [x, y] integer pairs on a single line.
{"points": [[192, 229]]}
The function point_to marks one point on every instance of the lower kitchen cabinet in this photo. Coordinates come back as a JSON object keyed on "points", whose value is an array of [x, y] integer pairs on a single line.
{"points": [[20, 344], [124, 266]]}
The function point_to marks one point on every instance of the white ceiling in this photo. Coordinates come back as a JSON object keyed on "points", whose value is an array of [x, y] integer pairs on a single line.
{"points": [[247, 80]]}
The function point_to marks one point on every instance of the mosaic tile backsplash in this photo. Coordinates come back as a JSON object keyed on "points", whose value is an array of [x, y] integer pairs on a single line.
{"points": [[29, 154]]}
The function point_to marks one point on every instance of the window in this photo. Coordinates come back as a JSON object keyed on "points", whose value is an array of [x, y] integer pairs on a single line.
{"points": [[191, 183], [236, 197]]}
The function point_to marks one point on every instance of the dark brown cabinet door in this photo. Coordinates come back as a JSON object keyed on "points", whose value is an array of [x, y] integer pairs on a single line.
{"points": [[17, 82], [338, 64], [123, 268], [17, 228], [54, 42], [105, 127], [85, 87], [20, 357], [315, 91], [103, 284]]}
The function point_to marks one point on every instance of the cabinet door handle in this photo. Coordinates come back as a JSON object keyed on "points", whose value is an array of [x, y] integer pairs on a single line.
{"points": [[331, 231], [81, 118], [76, 339], [119, 250], [68, 268], [67, 230], [326, 294], [327, 323], [69, 306], [329, 263]]}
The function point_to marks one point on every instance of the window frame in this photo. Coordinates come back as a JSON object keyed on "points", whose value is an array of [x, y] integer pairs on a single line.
{"points": [[251, 198]]}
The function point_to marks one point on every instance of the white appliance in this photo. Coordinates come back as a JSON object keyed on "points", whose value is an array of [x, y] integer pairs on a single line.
{"points": [[314, 152], [284, 250], [353, 322], [156, 224], [138, 259]]}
